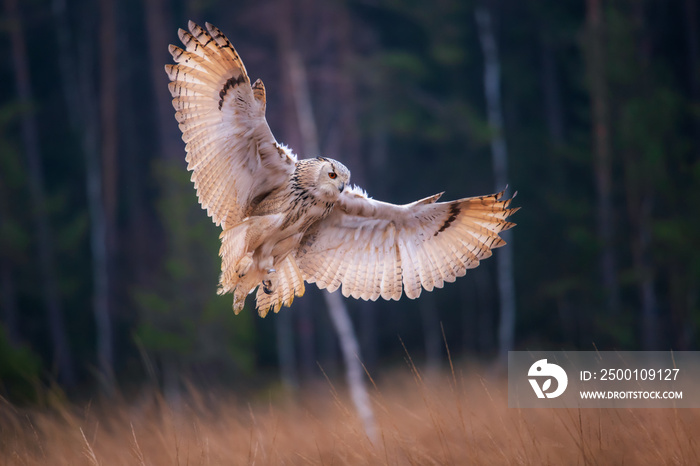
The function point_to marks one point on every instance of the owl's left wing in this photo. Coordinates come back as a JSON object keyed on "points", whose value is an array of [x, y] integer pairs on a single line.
{"points": [[233, 156], [374, 248]]}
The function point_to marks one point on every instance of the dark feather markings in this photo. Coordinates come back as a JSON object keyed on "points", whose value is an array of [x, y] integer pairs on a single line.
{"points": [[231, 83], [454, 211]]}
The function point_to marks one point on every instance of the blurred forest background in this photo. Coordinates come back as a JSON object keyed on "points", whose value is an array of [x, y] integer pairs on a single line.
{"points": [[108, 267]]}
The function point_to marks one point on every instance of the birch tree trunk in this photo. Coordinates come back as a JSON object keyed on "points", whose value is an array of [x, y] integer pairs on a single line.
{"points": [[499, 151], [347, 92], [336, 307], [44, 240], [351, 355], [285, 322]]}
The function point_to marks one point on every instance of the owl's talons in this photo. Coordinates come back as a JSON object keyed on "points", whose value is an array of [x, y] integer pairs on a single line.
{"points": [[267, 283], [267, 286]]}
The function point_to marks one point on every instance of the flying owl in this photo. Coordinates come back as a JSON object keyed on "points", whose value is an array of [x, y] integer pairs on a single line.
{"points": [[286, 221]]}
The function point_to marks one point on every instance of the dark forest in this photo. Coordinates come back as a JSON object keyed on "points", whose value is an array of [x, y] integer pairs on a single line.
{"points": [[108, 266]]}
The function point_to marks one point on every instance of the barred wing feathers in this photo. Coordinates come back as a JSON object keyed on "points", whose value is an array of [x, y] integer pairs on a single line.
{"points": [[230, 148], [373, 248]]}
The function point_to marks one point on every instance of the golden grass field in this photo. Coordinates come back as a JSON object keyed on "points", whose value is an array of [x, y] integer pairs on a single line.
{"points": [[444, 419]]}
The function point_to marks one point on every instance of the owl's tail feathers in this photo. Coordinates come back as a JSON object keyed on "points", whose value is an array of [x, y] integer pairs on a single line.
{"points": [[289, 283], [234, 257], [238, 274]]}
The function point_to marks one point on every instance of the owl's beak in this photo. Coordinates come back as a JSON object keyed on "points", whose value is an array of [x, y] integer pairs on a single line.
{"points": [[341, 187]]}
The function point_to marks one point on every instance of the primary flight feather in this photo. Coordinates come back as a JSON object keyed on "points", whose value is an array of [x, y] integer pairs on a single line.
{"points": [[286, 221]]}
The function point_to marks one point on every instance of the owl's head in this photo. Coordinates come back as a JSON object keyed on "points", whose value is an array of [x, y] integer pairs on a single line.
{"points": [[327, 178]]}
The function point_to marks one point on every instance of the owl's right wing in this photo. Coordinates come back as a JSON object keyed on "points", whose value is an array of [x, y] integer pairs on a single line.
{"points": [[374, 248], [230, 148]]}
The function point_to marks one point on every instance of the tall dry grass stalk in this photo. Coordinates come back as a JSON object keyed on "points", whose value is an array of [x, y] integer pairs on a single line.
{"points": [[449, 419]]}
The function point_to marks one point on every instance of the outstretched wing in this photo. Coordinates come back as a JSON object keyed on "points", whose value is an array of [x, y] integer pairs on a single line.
{"points": [[374, 248], [230, 148]]}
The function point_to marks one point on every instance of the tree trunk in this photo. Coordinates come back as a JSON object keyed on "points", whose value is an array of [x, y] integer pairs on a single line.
{"points": [[84, 116], [108, 111], [554, 116], [504, 257], [368, 334], [134, 253], [351, 356], [336, 307], [157, 22], [640, 195], [597, 83], [103, 250], [171, 154], [347, 92], [639, 202], [90, 129], [288, 358], [647, 292], [554, 113], [330, 357], [44, 240]]}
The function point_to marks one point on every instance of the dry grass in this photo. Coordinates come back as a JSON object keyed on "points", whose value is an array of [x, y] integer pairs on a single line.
{"points": [[443, 420]]}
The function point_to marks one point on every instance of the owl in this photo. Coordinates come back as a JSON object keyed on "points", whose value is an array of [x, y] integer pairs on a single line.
{"points": [[287, 221]]}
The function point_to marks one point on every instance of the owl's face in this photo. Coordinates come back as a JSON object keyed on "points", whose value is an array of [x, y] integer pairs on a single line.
{"points": [[332, 178]]}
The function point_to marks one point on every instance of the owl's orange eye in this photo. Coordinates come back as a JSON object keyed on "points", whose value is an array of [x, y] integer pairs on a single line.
{"points": [[332, 175]]}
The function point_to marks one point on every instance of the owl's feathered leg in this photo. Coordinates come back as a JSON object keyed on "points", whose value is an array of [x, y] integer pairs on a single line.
{"points": [[287, 282], [238, 302], [233, 251], [245, 286], [244, 264]]}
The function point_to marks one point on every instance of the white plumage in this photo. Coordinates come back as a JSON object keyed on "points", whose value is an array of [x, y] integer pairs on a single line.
{"points": [[286, 221]]}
